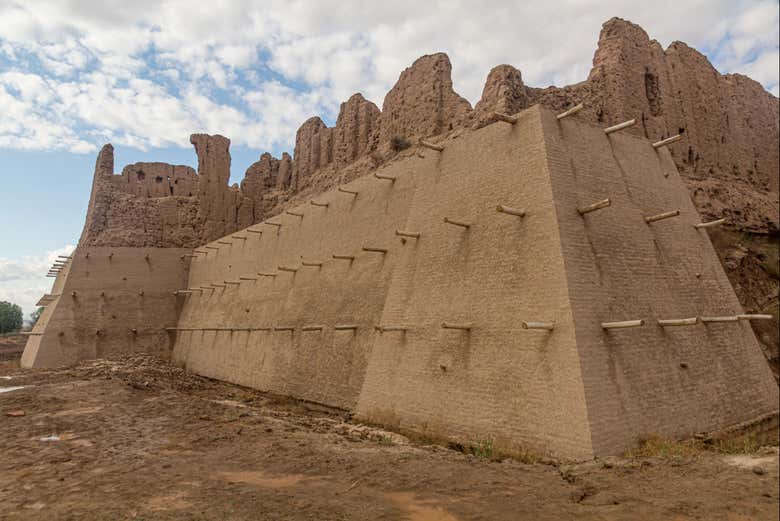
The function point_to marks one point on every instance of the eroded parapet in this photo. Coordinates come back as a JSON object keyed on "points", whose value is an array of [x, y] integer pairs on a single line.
{"points": [[157, 180]]}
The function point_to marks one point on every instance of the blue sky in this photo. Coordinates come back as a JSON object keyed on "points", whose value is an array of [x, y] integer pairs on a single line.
{"points": [[75, 74]]}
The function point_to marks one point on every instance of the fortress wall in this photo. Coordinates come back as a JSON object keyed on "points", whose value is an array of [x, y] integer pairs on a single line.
{"points": [[576, 391], [69, 331], [620, 268], [324, 366], [34, 341], [497, 382]]}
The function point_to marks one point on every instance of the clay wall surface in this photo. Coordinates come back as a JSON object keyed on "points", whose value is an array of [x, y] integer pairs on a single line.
{"points": [[117, 290], [577, 391], [324, 366], [650, 380], [497, 381]]}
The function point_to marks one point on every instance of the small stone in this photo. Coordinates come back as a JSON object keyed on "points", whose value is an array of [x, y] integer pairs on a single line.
{"points": [[758, 471], [14, 414]]}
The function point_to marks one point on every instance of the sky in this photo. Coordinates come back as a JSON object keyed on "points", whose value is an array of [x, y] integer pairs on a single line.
{"points": [[144, 75]]}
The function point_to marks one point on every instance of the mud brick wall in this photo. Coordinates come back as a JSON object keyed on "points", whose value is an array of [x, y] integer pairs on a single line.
{"points": [[496, 382], [577, 391], [651, 380], [108, 304], [324, 366]]}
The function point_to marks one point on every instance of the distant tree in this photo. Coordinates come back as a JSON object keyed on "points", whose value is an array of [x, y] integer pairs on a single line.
{"points": [[35, 315], [10, 317]]}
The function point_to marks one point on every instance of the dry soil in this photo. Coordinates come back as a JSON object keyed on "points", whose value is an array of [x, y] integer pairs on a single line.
{"points": [[135, 438]]}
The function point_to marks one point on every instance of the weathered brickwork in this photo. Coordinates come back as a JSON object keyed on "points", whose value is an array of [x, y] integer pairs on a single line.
{"points": [[109, 301], [578, 391]]}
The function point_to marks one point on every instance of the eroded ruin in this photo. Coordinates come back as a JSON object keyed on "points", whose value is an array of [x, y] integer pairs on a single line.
{"points": [[333, 276]]}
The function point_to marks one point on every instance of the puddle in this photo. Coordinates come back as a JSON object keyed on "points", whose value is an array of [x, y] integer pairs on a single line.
{"points": [[261, 480], [419, 510], [9, 389]]}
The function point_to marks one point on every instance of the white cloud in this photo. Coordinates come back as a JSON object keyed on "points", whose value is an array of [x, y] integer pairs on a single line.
{"points": [[23, 280], [149, 73]]}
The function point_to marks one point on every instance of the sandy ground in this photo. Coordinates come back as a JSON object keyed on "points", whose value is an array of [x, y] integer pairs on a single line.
{"points": [[137, 439]]}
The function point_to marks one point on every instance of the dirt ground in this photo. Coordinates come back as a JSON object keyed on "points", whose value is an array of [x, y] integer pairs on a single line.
{"points": [[135, 438]]}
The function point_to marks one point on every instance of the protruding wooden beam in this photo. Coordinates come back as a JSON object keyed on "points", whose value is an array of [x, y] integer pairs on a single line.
{"points": [[218, 286], [755, 317], [385, 329], [313, 328], [571, 111], [413, 235], [510, 211], [505, 117], [261, 274], [662, 216], [623, 324], [284, 328], [710, 224], [294, 213], [188, 256], [432, 146], [345, 191], [620, 126], [226, 243], [311, 263], [236, 282], [595, 206], [453, 325], [241, 237], [345, 327], [344, 257], [315, 203], [667, 141], [287, 268], [182, 292], [246, 277], [211, 247], [462, 224], [271, 223], [64, 256], [678, 322], [258, 232], [549, 326], [385, 177], [201, 251], [732, 318], [372, 249]]}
